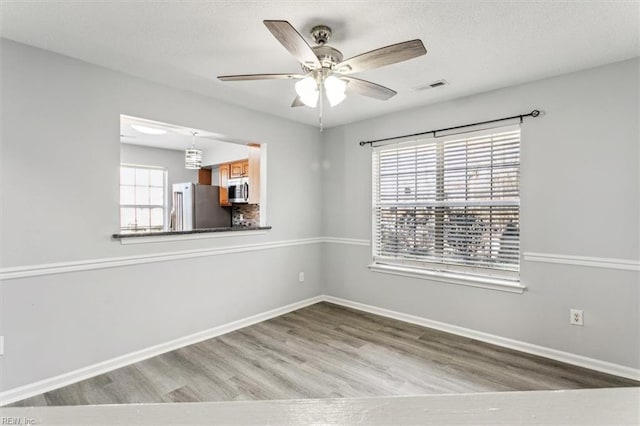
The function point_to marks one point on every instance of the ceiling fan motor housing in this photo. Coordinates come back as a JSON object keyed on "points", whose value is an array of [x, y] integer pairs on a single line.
{"points": [[321, 34], [327, 55]]}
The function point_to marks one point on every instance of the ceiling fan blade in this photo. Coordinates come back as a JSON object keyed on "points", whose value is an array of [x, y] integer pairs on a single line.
{"points": [[291, 39], [247, 77], [297, 102], [367, 88], [384, 56]]}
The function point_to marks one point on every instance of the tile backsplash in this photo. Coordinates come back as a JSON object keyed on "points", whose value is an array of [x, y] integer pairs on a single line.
{"points": [[250, 214]]}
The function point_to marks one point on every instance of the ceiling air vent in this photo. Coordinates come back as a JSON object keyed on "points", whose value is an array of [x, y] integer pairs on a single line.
{"points": [[432, 85]]}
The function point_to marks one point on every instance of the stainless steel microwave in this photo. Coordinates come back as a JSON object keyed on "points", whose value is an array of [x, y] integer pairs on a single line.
{"points": [[239, 190]]}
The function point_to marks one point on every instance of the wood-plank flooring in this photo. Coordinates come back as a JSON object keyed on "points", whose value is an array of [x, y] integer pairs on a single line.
{"points": [[326, 351]]}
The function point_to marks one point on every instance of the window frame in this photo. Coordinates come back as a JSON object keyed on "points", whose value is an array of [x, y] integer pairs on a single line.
{"points": [[477, 276], [163, 206]]}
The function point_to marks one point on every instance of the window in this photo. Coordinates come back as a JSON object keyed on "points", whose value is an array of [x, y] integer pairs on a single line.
{"points": [[142, 198], [450, 204]]}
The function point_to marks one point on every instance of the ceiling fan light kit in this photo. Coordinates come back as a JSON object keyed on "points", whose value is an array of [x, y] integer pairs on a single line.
{"points": [[325, 71], [307, 90], [335, 88]]}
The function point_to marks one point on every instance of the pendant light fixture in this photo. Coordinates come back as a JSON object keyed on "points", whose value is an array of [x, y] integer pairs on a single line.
{"points": [[193, 155]]}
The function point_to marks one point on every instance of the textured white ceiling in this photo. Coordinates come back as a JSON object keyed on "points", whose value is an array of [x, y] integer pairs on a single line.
{"points": [[475, 45]]}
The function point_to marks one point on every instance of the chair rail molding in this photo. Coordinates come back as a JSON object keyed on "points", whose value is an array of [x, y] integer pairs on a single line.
{"points": [[17, 272], [588, 261], [347, 241]]}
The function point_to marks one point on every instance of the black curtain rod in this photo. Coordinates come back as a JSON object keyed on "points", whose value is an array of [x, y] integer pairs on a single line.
{"points": [[533, 113]]}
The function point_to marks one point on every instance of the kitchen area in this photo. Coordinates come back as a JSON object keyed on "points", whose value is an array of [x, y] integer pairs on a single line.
{"points": [[177, 180]]}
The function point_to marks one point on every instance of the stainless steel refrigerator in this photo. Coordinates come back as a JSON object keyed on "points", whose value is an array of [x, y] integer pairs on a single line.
{"points": [[197, 206]]}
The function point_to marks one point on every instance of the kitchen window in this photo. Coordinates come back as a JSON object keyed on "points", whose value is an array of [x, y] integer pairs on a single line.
{"points": [[449, 207], [142, 198]]}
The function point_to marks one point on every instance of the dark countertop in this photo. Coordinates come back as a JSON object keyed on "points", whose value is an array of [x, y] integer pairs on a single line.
{"points": [[195, 231]]}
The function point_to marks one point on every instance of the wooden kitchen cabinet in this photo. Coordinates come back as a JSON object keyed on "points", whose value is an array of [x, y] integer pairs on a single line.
{"points": [[249, 168], [204, 176], [223, 172], [239, 169]]}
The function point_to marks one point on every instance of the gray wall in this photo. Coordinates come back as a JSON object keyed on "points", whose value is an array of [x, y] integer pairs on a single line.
{"points": [[172, 160], [579, 196], [60, 150], [61, 154]]}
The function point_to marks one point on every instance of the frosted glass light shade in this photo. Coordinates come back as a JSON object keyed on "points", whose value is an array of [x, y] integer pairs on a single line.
{"points": [[307, 90], [193, 158], [334, 88]]}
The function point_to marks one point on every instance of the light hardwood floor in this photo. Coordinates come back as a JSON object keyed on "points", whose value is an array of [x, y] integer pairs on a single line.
{"points": [[326, 351]]}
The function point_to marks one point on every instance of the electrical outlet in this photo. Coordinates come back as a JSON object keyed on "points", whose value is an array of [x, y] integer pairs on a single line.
{"points": [[301, 277], [576, 317]]}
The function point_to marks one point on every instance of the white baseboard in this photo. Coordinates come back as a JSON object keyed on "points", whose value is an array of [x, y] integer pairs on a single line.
{"points": [[567, 357], [42, 386], [37, 388]]}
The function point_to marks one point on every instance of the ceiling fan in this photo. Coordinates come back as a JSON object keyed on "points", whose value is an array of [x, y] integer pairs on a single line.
{"points": [[325, 71]]}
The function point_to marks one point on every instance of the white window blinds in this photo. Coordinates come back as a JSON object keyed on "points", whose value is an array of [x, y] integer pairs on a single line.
{"points": [[450, 204]]}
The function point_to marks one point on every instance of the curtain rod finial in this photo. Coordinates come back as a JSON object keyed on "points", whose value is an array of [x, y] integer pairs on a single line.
{"points": [[535, 113]]}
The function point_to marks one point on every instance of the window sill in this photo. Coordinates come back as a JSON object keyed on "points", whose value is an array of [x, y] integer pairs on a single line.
{"points": [[196, 234], [451, 278]]}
